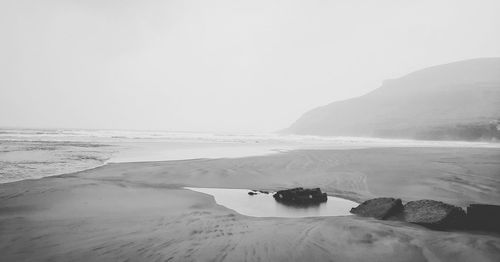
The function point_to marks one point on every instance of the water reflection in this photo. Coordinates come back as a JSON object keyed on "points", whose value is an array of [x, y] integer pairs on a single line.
{"points": [[264, 205]]}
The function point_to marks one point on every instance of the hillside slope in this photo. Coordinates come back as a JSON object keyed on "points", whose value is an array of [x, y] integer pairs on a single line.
{"points": [[457, 101]]}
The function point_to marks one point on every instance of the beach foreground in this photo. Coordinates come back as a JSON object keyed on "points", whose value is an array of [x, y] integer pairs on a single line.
{"points": [[140, 211]]}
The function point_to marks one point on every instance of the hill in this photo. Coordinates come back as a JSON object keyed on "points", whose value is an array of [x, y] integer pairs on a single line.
{"points": [[455, 101]]}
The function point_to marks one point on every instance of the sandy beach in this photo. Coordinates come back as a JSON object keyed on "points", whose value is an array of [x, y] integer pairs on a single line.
{"points": [[140, 211]]}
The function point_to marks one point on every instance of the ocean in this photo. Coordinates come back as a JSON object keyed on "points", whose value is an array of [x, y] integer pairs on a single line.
{"points": [[37, 153]]}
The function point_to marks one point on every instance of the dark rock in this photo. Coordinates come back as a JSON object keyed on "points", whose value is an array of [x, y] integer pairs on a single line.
{"points": [[434, 214], [263, 192], [483, 217], [380, 208], [300, 196], [252, 193]]}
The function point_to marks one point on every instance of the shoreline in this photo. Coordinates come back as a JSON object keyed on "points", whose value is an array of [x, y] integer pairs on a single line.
{"points": [[46, 154], [340, 194]]}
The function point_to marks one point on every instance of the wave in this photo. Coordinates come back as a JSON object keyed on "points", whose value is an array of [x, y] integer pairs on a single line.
{"points": [[72, 135]]}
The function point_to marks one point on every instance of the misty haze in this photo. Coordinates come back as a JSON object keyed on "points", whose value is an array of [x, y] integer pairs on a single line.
{"points": [[188, 130]]}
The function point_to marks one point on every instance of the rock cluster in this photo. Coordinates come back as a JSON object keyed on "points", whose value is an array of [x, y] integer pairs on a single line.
{"points": [[300, 196], [255, 192], [432, 214]]}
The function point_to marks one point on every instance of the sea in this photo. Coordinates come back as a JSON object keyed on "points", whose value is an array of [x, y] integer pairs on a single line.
{"points": [[37, 153]]}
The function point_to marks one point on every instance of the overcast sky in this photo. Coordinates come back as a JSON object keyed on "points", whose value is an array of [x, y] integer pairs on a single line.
{"points": [[221, 65]]}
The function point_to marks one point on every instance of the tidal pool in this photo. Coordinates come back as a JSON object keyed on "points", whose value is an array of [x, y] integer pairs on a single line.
{"points": [[264, 205]]}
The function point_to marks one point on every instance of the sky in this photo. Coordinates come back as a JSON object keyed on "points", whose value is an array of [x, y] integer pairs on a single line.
{"points": [[219, 65]]}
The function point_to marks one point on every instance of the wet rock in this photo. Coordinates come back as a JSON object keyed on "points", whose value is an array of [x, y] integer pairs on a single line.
{"points": [[300, 196], [260, 191], [380, 208], [483, 217], [434, 214], [252, 193]]}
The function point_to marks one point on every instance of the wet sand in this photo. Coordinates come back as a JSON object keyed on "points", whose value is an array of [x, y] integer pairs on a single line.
{"points": [[139, 211]]}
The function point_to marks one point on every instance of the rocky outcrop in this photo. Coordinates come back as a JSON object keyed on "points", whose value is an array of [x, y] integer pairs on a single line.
{"points": [[300, 196], [380, 208], [434, 214], [429, 213]]}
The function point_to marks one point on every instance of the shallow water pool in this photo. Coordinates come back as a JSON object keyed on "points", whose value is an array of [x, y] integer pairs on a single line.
{"points": [[264, 205]]}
